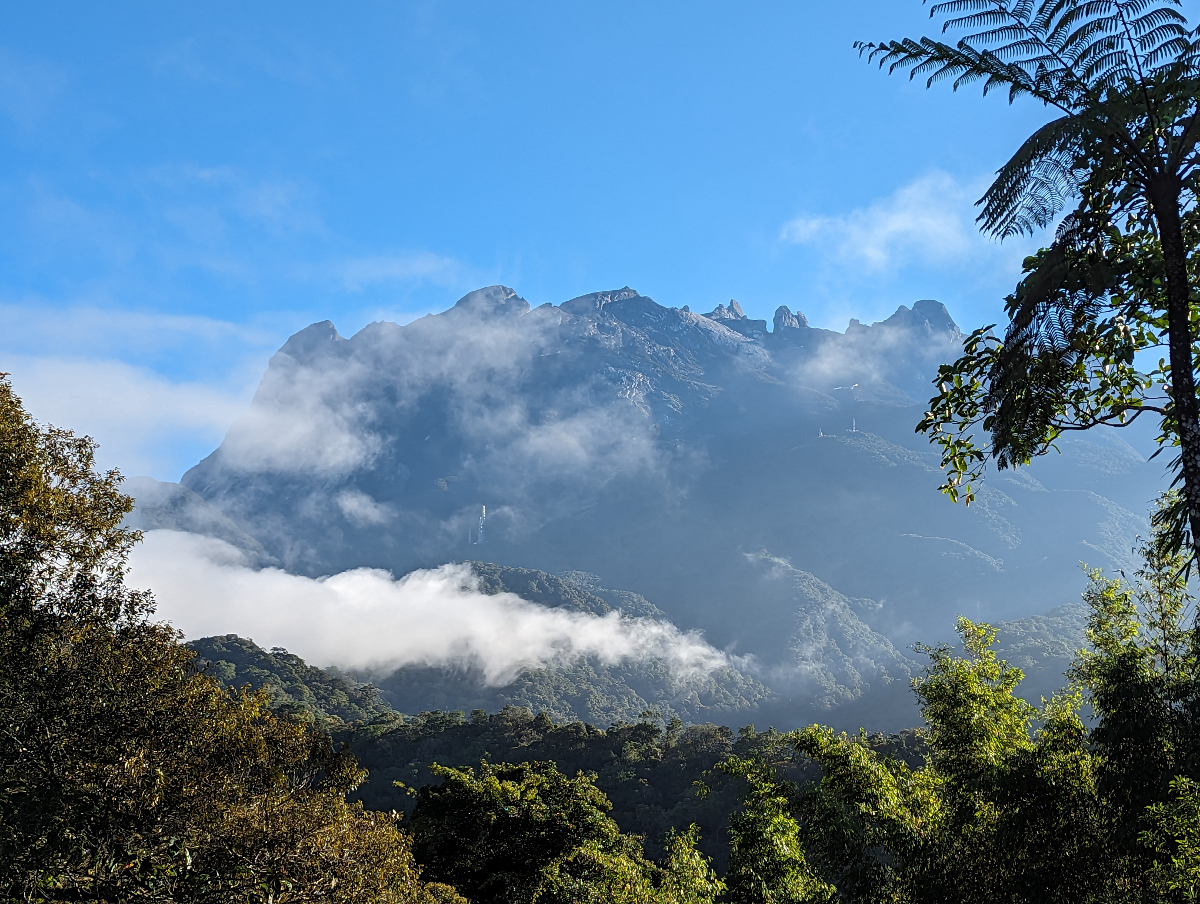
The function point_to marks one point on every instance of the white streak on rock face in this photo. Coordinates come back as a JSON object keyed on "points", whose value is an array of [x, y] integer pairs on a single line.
{"points": [[366, 619]]}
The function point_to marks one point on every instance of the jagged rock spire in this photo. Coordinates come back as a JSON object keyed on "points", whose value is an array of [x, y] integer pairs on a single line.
{"points": [[786, 320]]}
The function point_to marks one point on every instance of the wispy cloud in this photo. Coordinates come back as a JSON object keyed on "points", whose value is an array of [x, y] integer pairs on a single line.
{"points": [[931, 220], [143, 422], [27, 88], [205, 201], [422, 266], [366, 619], [89, 329]]}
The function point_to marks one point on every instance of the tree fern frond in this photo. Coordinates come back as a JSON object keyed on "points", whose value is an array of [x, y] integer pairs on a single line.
{"points": [[937, 61], [1004, 35], [1179, 58], [1067, 53], [1154, 40], [1026, 52], [1135, 7], [1159, 17], [1076, 44], [956, 7], [1052, 19], [1070, 29], [1032, 187], [1109, 69], [1111, 48], [1166, 36], [993, 19]]}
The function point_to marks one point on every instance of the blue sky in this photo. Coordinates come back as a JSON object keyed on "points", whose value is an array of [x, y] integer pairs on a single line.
{"points": [[182, 186]]}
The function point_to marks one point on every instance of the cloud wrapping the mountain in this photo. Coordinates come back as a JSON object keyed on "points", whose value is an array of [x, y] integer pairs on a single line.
{"points": [[328, 414], [885, 353], [365, 619]]}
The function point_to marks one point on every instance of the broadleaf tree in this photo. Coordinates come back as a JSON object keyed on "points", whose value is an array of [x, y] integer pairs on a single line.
{"points": [[1116, 168], [126, 773]]}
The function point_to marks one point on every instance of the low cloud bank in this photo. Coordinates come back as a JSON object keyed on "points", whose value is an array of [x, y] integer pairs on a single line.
{"points": [[365, 619]]}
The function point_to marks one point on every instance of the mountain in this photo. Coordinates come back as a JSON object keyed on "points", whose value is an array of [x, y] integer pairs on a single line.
{"points": [[170, 506], [763, 486]]}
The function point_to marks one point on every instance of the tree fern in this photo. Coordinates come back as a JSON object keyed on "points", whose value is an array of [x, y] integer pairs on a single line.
{"points": [[1122, 78], [1084, 57]]}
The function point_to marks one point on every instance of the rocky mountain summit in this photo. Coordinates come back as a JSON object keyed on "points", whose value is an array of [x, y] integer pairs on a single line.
{"points": [[733, 475]]}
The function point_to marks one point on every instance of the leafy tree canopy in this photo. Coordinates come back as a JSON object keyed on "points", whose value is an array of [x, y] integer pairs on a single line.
{"points": [[125, 774], [1013, 802], [523, 833]]}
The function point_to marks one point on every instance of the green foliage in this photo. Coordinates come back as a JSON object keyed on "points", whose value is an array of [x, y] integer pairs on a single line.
{"points": [[648, 770], [688, 875], [976, 722], [296, 689], [1085, 309], [867, 817], [1172, 833], [1011, 802], [766, 858], [592, 874], [1000, 810], [523, 833], [126, 775]]}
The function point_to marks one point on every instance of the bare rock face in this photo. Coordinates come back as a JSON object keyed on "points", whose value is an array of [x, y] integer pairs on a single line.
{"points": [[493, 301], [735, 319], [927, 316], [786, 320], [733, 312]]}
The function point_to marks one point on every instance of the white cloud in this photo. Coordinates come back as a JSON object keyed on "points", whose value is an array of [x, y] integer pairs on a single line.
{"points": [[421, 266], [366, 619], [931, 220], [89, 329], [304, 420], [133, 413], [362, 510]]}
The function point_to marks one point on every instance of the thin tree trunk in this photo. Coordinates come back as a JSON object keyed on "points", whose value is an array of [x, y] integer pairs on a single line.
{"points": [[1165, 202]]}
